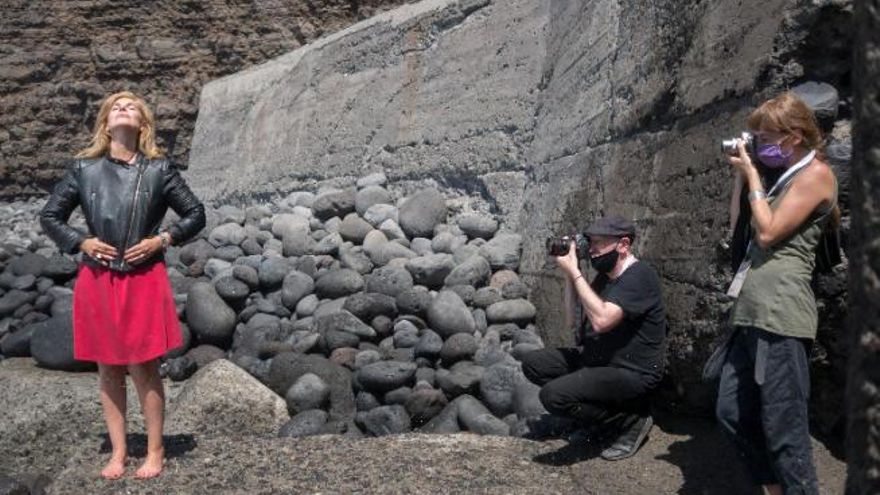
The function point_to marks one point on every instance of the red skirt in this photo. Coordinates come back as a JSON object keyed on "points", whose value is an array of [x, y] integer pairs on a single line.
{"points": [[123, 318]]}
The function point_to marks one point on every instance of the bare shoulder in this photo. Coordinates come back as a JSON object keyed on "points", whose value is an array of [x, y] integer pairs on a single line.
{"points": [[821, 171], [817, 176]]}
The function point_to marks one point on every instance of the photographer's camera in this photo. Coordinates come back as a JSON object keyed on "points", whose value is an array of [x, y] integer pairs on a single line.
{"points": [[559, 246]]}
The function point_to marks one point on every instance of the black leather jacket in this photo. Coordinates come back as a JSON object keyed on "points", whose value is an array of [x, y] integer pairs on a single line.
{"points": [[122, 205]]}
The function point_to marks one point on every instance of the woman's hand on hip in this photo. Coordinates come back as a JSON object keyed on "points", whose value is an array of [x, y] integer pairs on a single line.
{"points": [[143, 250], [98, 250]]}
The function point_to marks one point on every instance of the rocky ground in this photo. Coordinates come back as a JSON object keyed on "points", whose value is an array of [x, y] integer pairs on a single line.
{"points": [[53, 427]]}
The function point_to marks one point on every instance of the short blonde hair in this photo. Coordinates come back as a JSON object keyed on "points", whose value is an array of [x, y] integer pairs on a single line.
{"points": [[786, 114], [100, 144]]}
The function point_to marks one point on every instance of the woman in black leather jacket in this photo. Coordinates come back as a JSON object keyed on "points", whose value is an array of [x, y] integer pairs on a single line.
{"points": [[124, 317]]}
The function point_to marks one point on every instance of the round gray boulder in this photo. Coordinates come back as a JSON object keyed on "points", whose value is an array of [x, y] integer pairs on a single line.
{"points": [[369, 196], [334, 204], [511, 311], [304, 424], [421, 212], [354, 229], [52, 345], [475, 225], [339, 283], [389, 280], [503, 251], [430, 270], [368, 305], [228, 234], [290, 225], [458, 347], [473, 271], [497, 387], [385, 376], [448, 315], [307, 392], [295, 286], [387, 420], [208, 316]]}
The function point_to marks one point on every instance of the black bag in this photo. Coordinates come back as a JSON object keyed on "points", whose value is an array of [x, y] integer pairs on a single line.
{"points": [[828, 250], [713, 366]]}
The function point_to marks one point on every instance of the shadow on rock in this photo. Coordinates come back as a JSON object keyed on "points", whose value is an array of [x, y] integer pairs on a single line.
{"points": [[707, 461], [175, 445], [572, 453]]}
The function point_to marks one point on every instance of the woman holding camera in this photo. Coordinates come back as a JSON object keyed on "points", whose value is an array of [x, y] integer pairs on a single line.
{"points": [[764, 387], [124, 317]]}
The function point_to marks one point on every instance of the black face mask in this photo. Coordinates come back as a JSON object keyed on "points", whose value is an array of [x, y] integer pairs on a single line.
{"points": [[604, 263]]}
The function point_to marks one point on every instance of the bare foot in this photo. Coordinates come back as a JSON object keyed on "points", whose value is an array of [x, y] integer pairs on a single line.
{"points": [[114, 469], [152, 465]]}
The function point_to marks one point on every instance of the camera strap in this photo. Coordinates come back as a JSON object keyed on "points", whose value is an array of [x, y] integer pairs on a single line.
{"points": [[789, 174], [740, 277]]}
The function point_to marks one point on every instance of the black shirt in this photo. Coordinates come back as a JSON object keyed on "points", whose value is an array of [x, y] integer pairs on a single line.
{"points": [[638, 341]]}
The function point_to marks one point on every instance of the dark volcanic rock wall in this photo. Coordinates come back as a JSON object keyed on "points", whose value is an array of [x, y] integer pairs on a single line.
{"points": [[634, 127], [864, 370], [58, 59]]}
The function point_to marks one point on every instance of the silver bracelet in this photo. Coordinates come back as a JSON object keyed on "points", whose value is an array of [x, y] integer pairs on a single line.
{"points": [[756, 195]]}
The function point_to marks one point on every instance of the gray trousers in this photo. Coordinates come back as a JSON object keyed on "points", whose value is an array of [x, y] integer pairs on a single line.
{"points": [[762, 408]]}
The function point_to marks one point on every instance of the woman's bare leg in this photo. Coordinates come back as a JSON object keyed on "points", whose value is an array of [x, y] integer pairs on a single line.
{"points": [[111, 381], [151, 393]]}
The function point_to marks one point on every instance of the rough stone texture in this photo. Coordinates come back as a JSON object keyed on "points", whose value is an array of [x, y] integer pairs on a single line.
{"points": [[447, 314], [44, 410], [223, 399], [863, 394], [459, 464], [65, 56], [403, 60], [288, 367], [210, 319], [580, 107]]}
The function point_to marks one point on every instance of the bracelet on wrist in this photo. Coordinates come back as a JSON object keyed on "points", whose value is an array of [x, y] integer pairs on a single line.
{"points": [[756, 195]]}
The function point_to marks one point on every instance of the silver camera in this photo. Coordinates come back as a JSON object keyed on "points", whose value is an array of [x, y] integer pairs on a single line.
{"points": [[729, 145]]}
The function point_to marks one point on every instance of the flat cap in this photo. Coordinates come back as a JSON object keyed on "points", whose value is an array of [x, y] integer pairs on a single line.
{"points": [[612, 226]]}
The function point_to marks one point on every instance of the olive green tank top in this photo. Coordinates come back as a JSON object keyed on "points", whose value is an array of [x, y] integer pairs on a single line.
{"points": [[776, 295]]}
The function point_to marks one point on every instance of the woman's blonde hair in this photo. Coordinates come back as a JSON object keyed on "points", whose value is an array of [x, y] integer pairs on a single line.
{"points": [[100, 144], [786, 114]]}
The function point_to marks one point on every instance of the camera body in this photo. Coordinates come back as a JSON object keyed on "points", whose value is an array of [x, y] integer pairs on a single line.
{"points": [[728, 146], [559, 246]]}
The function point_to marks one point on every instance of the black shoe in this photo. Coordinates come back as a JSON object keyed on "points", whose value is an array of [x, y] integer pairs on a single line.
{"points": [[629, 441]]}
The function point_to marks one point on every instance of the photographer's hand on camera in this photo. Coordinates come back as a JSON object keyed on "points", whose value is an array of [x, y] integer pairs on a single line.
{"points": [[741, 161], [569, 263]]}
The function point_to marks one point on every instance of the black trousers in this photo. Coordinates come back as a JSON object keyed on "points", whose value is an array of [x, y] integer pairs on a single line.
{"points": [[762, 408], [595, 395]]}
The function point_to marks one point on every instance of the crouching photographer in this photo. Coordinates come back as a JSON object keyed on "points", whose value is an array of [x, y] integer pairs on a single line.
{"points": [[764, 371], [605, 381]]}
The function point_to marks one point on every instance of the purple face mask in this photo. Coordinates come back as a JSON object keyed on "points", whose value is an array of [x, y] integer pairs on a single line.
{"points": [[772, 155]]}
